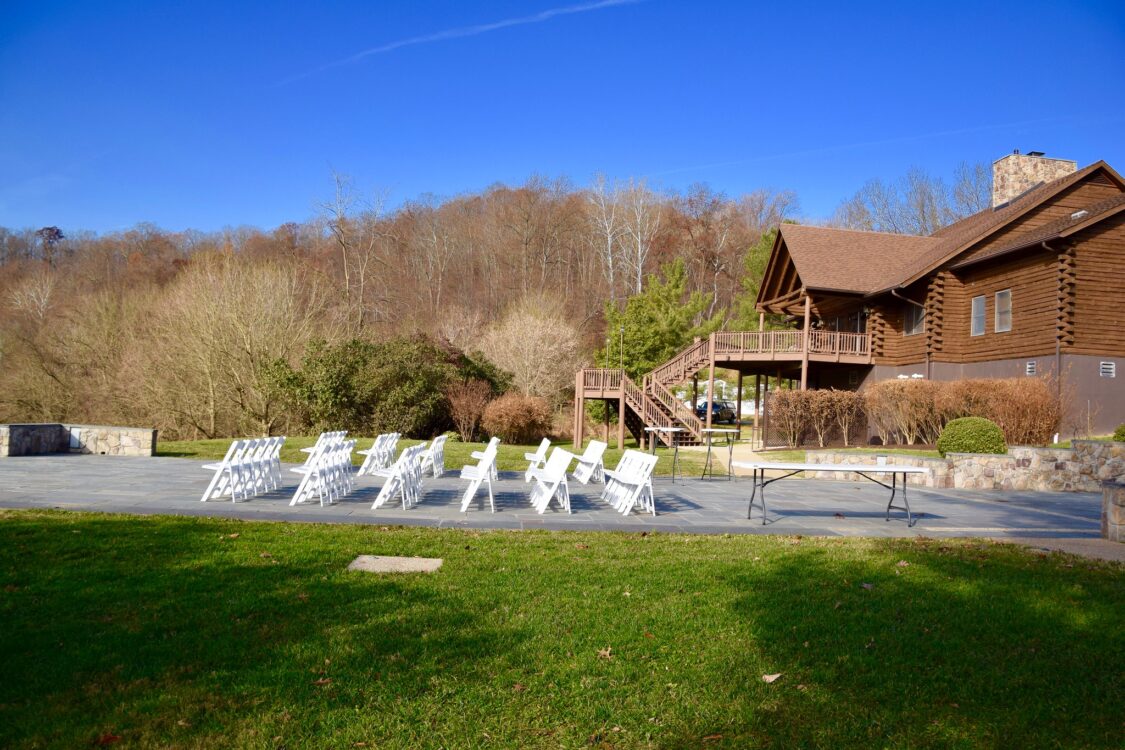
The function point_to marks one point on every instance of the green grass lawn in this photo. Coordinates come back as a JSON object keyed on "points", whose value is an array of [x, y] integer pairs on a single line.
{"points": [[194, 633], [509, 457]]}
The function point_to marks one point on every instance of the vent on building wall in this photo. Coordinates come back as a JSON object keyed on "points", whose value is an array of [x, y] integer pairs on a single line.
{"points": [[1107, 369], [1032, 367], [1080, 214], [853, 378]]}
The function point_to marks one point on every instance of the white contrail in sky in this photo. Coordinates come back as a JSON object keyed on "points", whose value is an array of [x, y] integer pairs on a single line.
{"points": [[464, 31]]}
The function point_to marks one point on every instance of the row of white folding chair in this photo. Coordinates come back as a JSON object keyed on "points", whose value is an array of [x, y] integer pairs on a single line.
{"points": [[323, 439], [249, 467], [483, 473], [630, 484], [550, 481], [327, 474], [381, 454], [590, 465], [433, 458], [404, 478]]}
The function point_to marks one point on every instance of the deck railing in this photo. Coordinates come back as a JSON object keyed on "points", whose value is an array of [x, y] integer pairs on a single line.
{"points": [[792, 341], [601, 379]]}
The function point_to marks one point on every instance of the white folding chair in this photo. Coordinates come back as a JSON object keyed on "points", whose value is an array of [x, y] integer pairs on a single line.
{"points": [[630, 484], [590, 465], [550, 481], [494, 446], [535, 460], [433, 458], [311, 485], [482, 473], [381, 454], [404, 478], [225, 472]]}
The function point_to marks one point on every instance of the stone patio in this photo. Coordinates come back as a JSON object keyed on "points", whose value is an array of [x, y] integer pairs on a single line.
{"points": [[715, 506]]}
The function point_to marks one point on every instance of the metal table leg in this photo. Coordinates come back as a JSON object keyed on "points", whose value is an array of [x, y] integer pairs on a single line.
{"points": [[730, 456], [910, 520], [707, 463]]}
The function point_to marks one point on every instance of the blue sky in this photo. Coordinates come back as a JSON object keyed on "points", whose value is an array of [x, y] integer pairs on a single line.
{"points": [[211, 114]]}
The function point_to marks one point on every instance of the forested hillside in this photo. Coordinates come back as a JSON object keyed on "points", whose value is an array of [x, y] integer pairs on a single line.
{"points": [[195, 332]]}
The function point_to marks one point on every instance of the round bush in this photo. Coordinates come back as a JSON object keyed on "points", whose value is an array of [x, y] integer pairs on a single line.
{"points": [[519, 419], [971, 435], [1119, 434]]}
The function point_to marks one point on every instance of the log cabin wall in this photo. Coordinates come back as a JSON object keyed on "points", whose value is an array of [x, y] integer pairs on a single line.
{"points": [[897, 347], [1033, 281], [1099, 289]]}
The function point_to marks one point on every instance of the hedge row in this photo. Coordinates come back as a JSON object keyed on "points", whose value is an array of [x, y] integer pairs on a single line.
{"points": [[911, 412]]}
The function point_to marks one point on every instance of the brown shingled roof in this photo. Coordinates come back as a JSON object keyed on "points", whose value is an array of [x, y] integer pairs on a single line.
{"points": [[1092, 214], [846, 260], [960, 235]]}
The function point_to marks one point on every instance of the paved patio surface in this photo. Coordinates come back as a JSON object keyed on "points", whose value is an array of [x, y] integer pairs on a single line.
{"points": [[715, 506]]}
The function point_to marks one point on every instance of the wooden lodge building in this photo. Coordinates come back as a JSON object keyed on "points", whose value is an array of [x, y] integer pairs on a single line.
{"points": [[1033, 286]]}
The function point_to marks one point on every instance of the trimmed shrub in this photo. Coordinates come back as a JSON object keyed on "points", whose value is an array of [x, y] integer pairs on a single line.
{"points": [[515, 418], [1119, 433], [971, 435], [789, 413]]}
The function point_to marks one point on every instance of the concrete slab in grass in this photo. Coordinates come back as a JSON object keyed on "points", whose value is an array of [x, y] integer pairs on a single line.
{"points": [[382, 564]]}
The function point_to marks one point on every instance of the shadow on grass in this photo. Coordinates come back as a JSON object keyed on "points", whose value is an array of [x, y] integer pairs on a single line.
{"points": [[182, 620], [952, 649]]}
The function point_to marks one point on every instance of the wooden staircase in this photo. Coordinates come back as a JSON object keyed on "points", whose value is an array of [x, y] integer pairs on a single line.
{"points": [[653, 404]]}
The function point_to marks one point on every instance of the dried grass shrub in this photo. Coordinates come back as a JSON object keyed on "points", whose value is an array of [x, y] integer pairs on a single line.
{"points": [[821, 409], [789, 412], [467, 402], [847, 410], [1027, 410], [519, 419]]}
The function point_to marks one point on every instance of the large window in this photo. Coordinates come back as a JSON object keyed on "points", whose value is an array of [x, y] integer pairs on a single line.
{"points": [[1004, 311], [978, 316], [915, 320]]}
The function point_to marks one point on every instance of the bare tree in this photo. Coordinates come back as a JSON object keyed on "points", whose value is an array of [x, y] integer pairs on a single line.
{"points": [[642, 223], [607, 226], [918, 203], [538, 345]]}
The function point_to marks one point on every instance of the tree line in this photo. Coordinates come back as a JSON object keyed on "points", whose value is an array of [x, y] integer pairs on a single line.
{"points": [[213, 334]]}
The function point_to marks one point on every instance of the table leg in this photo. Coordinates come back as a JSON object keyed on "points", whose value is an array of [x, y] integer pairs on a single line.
{"points": [[910, 520], [707, 462], [730, 457], [675, 456]]}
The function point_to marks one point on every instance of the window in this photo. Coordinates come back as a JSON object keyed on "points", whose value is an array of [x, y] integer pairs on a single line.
{"points": [[978, 316], [1004, 311], [1107, 369], [1032, 367], [915, 321]]}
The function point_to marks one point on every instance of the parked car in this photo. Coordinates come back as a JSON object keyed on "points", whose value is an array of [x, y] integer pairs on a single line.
{"points": [[721, 411]]}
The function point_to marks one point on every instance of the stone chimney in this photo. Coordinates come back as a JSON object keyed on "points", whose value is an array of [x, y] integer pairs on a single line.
{"points": [[1016, 173]]}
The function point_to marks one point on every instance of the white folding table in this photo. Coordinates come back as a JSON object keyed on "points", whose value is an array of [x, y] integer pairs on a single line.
{"points": [[759, 469], [674, 438], [709, 465]]}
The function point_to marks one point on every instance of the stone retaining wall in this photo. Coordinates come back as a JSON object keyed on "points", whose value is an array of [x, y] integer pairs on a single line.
{"points": [[1081, 468], [1113, 511], [36, 439]]}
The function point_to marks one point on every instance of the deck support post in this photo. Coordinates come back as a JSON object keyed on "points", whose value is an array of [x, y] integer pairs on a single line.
{"points": [[711, 379], [579, 410], [621, 419], [738, 410], [805, 348], [761, 321], [694, 391], [757, 405], [605, 427]]}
